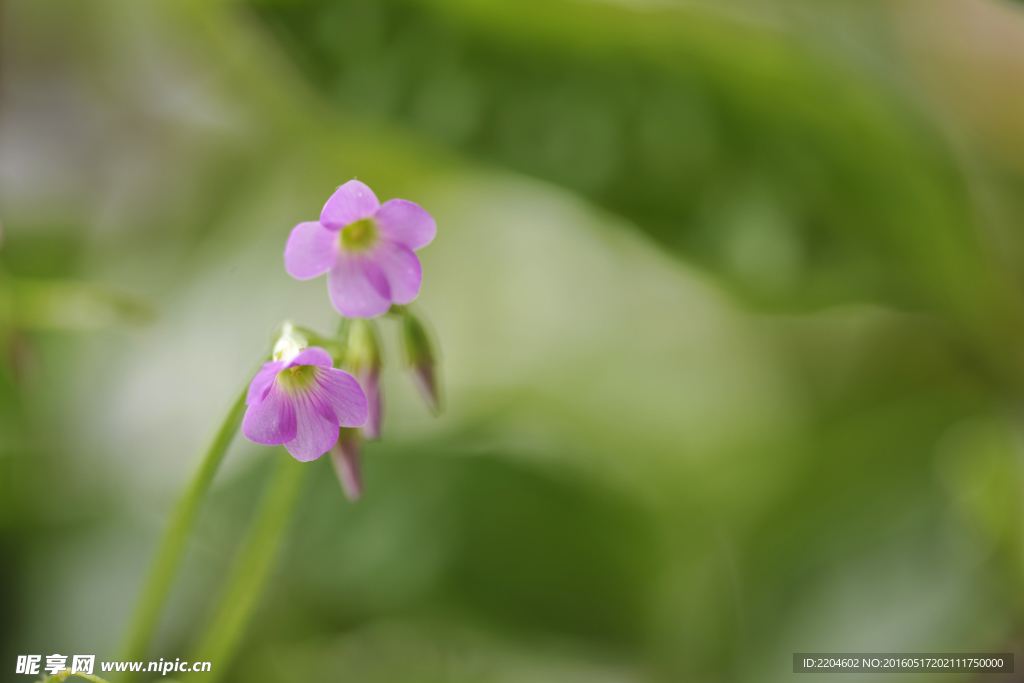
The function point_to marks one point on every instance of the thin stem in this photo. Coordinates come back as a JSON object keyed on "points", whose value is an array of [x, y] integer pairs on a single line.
{"points": [[165, 565], [252, 569], [66, 673]]}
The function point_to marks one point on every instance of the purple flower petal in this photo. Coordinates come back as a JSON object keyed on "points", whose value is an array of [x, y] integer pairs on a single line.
{"points": [[317, 426], [262, 382], [402, 268], [272, 421], [313, 355], [310, 251], [351, 202], [407, 223], [342, 392], [358, 287]]}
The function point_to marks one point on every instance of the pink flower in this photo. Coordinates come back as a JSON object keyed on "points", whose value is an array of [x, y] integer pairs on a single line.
{"points": [[302, 402], [366, 248]]}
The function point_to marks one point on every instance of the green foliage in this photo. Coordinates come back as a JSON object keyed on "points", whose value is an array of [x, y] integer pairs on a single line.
{"points": [[784, 168], [731, 339]]}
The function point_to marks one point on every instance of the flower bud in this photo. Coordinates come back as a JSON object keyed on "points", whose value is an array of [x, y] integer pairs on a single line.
{"points": [[364, 360], [346, 456], [290, 342], [421, 359]]}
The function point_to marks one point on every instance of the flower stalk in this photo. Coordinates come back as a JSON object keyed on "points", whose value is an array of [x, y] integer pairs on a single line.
{"points": [[66, 673], [253, 567], [146, 617]]}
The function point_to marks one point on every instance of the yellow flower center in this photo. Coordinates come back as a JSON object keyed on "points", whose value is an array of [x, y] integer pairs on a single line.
{"points": [[298, 378], [359, 236]]}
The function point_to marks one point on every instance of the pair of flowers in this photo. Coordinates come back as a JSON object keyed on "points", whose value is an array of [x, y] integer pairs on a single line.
{"points": [[367, 249]]}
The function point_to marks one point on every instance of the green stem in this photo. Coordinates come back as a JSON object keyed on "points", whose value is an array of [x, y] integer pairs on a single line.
{"points": [[57, 678], [252, 569], [161, 574]]}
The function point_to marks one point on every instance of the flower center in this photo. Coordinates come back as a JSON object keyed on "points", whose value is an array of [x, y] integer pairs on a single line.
{"points": [[298, 378], [359, 236]]}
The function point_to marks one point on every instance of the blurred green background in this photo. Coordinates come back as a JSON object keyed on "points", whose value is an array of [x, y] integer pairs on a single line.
{"points": [[730, 296]]}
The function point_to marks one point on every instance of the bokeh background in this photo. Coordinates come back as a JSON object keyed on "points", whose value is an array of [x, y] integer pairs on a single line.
{"points": [[730, 296]]}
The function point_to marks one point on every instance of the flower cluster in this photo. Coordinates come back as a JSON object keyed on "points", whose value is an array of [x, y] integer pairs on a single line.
{"points": [[300, 399]]}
